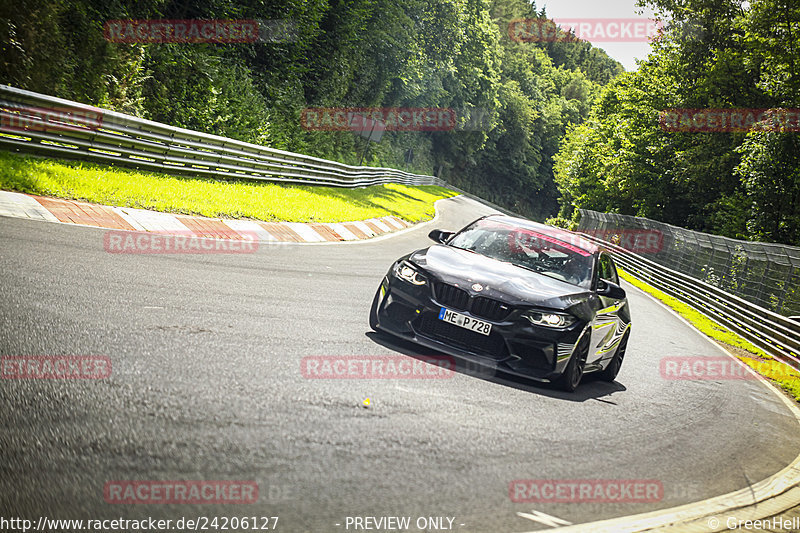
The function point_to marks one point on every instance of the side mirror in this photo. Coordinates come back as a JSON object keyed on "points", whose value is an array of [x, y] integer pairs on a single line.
{"points": [[610, 289], [440, 236]]}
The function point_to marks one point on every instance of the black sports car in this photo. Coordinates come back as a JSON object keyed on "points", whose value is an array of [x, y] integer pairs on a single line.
{"points": [[526, 298]]}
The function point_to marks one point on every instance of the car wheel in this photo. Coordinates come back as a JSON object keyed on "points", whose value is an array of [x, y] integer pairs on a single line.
{"points": [[571, 377], [611, 371], [373, 312]]}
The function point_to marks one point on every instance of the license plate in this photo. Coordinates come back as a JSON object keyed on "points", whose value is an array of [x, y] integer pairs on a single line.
{"points": [[466, 322]]}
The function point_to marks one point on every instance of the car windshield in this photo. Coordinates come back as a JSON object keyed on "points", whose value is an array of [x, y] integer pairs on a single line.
{"points": [[528, 249]]}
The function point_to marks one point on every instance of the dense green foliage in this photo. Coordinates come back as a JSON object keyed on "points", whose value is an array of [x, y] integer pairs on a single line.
{"points": [[350, 53], [715, 54]]}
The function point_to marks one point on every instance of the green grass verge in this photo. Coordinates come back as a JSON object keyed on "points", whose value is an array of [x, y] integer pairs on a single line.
{"points": [[763, 363], [212, 198]]}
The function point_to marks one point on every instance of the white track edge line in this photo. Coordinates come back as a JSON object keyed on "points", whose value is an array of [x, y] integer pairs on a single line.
{"points": [[760, 491]]}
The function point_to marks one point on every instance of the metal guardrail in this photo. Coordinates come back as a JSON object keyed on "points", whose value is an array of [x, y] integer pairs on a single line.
{"points": [[776, 334], [766, 274], [38, 124]]}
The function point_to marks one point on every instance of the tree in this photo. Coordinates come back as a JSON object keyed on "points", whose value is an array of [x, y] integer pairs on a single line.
{"points": [[713, 54]]}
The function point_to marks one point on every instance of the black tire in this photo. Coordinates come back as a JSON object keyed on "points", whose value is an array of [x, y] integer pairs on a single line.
{"points": [[611, 371], [373, 312], [573, 373]]}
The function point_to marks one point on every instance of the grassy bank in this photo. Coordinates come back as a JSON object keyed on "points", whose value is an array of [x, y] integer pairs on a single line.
{"points": [[212, 198], [787, 378]]}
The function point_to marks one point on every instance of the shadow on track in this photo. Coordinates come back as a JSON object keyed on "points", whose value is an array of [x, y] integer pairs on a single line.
{"points": [[589, 389]]}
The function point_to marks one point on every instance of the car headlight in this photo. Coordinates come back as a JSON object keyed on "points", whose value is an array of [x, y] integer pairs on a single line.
{"points": [[550, 320], [408, 273]]}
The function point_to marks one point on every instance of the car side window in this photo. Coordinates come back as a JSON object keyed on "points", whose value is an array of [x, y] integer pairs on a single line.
{"points": [[608, 271], [614, 276]]}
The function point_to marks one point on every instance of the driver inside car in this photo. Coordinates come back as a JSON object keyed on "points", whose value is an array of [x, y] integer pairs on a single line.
{"points": [[574, 270]]}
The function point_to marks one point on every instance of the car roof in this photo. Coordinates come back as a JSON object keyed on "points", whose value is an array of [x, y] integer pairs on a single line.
{"points": [[561, 234]]}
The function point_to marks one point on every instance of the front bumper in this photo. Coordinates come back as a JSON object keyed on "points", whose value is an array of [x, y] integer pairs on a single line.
{"points": [[514, 346]]}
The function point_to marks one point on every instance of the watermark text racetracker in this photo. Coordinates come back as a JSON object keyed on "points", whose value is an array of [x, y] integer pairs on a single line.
{"points": [[399, 119], [696, 368], [586, 491], [55, 367], [160, 31], [638, 241], [377, 367], [596, 30], [178, 242], [180, 492], [21, 118], [729, 120]]}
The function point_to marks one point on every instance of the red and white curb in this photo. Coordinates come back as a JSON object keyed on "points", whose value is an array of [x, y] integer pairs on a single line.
{"points": [[18, 205]]}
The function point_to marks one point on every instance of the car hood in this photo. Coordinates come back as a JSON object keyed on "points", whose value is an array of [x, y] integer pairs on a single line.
{"points": [[501, 281]]}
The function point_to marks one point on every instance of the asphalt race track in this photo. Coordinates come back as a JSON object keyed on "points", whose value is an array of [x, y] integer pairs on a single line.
{"points": [[206, 384]]}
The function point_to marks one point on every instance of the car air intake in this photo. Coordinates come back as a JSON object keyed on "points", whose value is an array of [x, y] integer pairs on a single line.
{"points": [[450, 296], [459, 299], [489, 309]]}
